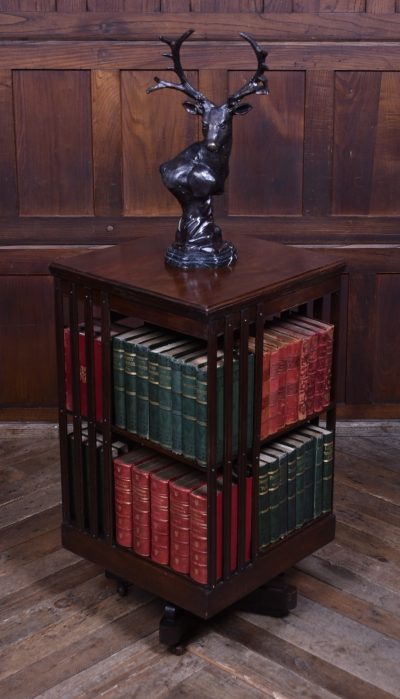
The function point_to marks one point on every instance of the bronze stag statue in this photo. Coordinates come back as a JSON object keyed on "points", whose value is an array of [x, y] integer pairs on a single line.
{"points": [[200, 170]]}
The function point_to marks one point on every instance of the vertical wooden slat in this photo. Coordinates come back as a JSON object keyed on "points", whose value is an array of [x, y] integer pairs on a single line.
{"points": [[54, 145], [92, 496], [278, 6], [318, 142], [328, 6], [8, 172], [356, 114], [75, 361], [107, 142], [266, 167], [211, 455], [175, 5], [155, 128], [228, 431], [107, 437], [27, 5], [123, 5], [62, 412], [242, 452], [258, 378]]}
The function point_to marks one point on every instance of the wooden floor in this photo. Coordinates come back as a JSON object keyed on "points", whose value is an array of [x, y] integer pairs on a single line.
{"points": [[65, 633]]}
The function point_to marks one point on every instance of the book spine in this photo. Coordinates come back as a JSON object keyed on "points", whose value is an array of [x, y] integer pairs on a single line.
{"points": [[300, 465], [264, 524], [274, 500], [318, 461], [327, 468], [141, 512], [283, 495], [189, 379], [154, 406], [303, 378], [250, 400], [118, 382], [266, 370], [176, 405], [160, 517], [68, 368], [123, 504], [142, 390], [312, 373], [292, 382], [165, 402], [82, 373], [291, 491], [199, 537], [201, 417], [98, 377], [328, 368], [309, 476], [130, 386]]}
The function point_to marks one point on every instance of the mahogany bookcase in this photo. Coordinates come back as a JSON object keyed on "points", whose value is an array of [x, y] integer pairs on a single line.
{"points": [[221, 307]]}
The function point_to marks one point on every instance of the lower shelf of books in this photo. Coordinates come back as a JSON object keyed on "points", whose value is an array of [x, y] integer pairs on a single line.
{"points": [[181, 590]]}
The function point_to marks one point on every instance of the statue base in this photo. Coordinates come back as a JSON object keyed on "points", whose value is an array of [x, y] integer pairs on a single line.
{"points": [[201, 257]]}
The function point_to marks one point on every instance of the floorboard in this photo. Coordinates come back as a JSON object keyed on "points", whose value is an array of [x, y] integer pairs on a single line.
{"points": [[65, 633]]}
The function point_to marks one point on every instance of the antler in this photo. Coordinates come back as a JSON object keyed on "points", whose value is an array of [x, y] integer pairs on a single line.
{"points": [[258, 84], [184, 85]]}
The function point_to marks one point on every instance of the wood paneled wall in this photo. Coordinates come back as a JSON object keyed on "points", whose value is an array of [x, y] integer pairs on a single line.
{"points": [[317, 162]]}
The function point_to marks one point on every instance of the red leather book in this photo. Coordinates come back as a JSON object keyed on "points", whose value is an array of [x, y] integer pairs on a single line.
{"points": [[308, 365], [324, 361], [293, 356], [273, 386], [199, 532], [123, 493], [160, 510], [179, 497], [141, 501]]}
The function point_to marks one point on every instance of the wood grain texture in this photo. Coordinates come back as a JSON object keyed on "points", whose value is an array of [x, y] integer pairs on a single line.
{"points": [[386, 364], [123, 5], [53, 136], [150, 140], [65, 633], [71, 5], [8, 173], [107, 142], [318, 143], [328, 5], [267, 154], [385, 194], [27, 5], [378, 7]]}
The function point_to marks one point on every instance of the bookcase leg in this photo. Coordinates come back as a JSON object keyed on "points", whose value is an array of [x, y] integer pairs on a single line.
{"points": [[122, 585], [276, 598], [173, 627]]}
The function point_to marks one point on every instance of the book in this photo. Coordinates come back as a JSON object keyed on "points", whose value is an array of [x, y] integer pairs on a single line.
{"points": [[309, 473], [160, 510], [291, 453], [293, 357], [189, 391], [308, 366], [327, 465], [273, 396], [299, 476], [165, 360], [269, 498], [130, 369], [280, 527], [318, 459], [176, 394], [176, 346], [143, 381], [141, 500], [325, 333], [118, 447], [118, 355], [123, 493], [179, 491]]}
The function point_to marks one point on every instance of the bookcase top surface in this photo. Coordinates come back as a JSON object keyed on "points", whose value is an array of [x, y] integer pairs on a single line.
{"points": [[263, 268]]}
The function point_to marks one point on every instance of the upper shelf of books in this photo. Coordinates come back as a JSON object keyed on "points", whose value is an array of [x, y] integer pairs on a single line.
{"points": [[263, 269]]}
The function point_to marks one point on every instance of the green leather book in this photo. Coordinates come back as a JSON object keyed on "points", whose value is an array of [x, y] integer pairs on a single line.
{"points": [[165, 360], [283, 486], [309, 474], [146, 381], [189, 389], [154, 356], [327, 465], [291, 453], [130, 366], [118, 350], [318, 445], [299, 478], [176, 394], [268, 485]]}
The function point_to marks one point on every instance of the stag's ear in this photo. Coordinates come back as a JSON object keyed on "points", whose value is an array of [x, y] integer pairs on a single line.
{"points": [[191, 108], [242, 109]]}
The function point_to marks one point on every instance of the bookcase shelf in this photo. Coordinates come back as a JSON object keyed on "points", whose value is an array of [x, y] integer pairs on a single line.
{"points": [[222, 307]]}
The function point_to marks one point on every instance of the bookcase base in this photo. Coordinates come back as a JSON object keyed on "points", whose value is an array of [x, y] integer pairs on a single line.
{"points": [[182, 591]]}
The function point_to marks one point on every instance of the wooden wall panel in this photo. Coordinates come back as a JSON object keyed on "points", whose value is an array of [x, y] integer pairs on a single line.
{"points": [[123, 5], [329, 5], [267, 155], [385, 194], [27, 347], [53, 139], [8, 173], [107, 142], [154, 129], [386, 358], [27, 5]]}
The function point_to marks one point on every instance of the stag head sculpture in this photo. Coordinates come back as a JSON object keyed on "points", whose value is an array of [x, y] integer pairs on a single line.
{"points": [[200, 171]]}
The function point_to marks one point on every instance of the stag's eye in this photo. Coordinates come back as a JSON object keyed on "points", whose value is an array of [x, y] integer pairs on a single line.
{"points": [[223, 126]]}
